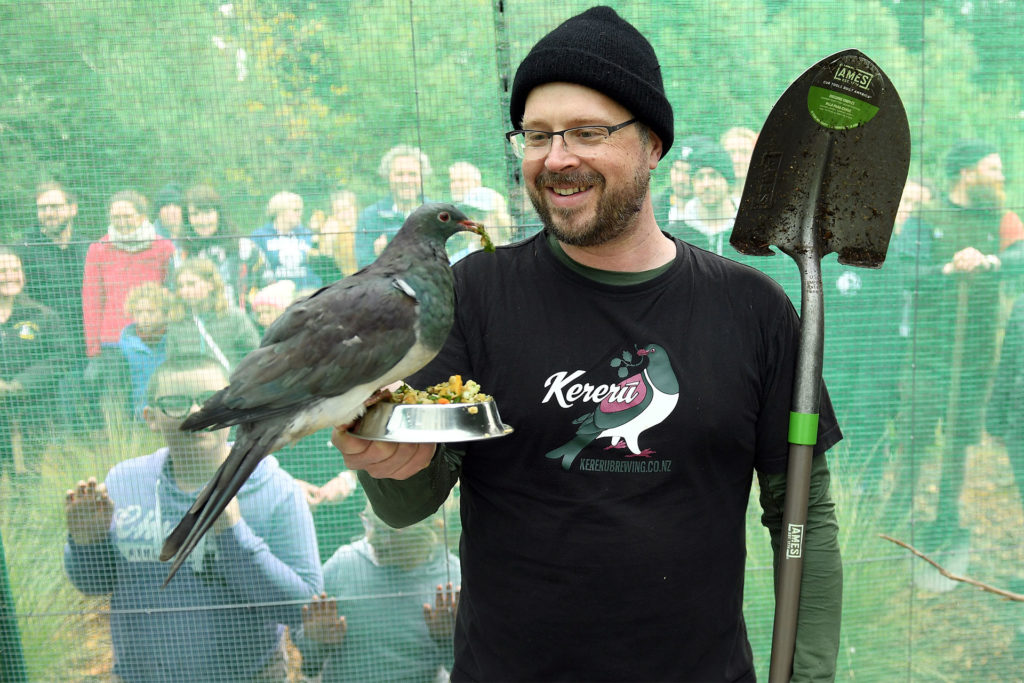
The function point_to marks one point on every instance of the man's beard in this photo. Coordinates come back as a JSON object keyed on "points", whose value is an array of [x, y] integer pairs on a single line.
{"points": [[986, 195], [615, 214]]}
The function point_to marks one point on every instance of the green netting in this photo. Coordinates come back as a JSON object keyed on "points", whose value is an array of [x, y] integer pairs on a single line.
{"points": [[205, 131]]}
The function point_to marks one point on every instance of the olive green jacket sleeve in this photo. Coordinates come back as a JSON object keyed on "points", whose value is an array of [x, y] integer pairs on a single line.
{"points": [[821, 593], [401, 503]]}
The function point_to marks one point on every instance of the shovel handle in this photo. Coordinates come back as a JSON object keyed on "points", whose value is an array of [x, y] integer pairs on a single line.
{"points": [[803, 434], [791, 562]]}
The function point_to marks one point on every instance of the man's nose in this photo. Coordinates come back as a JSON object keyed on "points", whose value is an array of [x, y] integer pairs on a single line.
{"points": [[560, 156]]}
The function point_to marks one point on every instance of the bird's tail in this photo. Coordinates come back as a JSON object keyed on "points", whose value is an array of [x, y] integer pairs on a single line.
{"points": [[246, 454]]}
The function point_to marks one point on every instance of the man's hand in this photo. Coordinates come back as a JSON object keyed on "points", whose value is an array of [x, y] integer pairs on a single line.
{"points": [[311, 493], [969, 260], [321, 623], [89, 511], [382, 459], [440, 617], [231, 516], [337, 489]]}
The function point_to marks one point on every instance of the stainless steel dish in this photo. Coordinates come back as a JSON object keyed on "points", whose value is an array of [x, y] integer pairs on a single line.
{"points": [[430, 423]]}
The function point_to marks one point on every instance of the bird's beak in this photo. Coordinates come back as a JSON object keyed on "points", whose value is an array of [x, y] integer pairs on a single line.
{"points": [[478, 228]]}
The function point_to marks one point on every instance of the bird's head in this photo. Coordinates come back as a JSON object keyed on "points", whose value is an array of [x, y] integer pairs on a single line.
{"points": [[441, 221]]}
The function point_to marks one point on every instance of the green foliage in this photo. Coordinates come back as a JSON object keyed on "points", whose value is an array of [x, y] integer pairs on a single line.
{"points": [[255, 97]]}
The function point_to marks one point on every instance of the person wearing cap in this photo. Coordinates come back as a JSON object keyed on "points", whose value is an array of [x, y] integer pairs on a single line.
{"points": [[707, 218], [669, 206], [646, 380], [954, 258]]}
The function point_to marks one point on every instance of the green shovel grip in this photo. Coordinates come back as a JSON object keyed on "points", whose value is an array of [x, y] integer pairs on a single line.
{"points": [[803, 428]]}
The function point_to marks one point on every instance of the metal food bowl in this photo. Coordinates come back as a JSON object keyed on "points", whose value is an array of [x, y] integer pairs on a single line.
{"points": [[431, 423]]}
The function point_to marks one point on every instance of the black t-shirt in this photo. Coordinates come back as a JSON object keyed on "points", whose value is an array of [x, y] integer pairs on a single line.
{"points": [[604, 539]]}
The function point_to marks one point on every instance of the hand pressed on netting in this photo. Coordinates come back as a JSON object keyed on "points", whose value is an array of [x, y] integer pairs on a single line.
{"points": [[89, 511], [321, 622], [440, 616]]}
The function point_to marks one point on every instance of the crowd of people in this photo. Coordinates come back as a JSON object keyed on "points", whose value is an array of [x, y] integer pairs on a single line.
{"points": [[150, 319]]}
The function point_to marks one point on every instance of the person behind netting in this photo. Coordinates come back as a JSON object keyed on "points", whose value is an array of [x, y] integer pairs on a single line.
{"points": [[129, 254], [334, 243], [462, 178], [405, 168], [668, 206], [707, 218], [1003, 421], [953, 258], [739, 142], [144, 341], [55, 262], [488, 206], [34, 355], [223, 618], [647, 381], [204, 321], [169, 203], [388, 607], [286, 243], [267, 304], [210, 234]]}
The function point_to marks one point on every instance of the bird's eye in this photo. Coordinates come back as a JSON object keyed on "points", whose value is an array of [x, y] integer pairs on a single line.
{"points": [[443, 217]]}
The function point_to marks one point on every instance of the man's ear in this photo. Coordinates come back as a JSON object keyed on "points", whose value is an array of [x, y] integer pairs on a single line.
{"points": [[73, 209], [655, 151]]}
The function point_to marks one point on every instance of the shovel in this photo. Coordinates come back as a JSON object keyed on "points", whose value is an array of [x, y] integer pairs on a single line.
{"points": [[826, 176]]}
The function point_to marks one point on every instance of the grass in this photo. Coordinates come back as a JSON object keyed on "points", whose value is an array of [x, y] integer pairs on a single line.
{"points": [[892, 630]]}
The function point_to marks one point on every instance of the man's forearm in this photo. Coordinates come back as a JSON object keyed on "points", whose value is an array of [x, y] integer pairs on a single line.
{"points": [[401, 503], [821, 591]]}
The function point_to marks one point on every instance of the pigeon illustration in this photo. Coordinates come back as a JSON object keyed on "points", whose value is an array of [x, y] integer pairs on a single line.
{"points": [[643, 400], [326, 356]]}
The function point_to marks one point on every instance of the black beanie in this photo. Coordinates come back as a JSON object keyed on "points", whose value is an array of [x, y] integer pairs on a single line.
{"points": [[599, 50]]}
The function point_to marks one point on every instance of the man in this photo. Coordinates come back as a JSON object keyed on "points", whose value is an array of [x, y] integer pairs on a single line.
{"points": [[463, 177], [604, 539], [707, 218], [56, 261], [404, 168], [739, 143], [953, 258], [224, 619], [669, 206]]}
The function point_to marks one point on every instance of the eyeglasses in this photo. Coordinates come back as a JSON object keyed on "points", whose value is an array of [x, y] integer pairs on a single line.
{"points": [[178, 405], [581, 140]]}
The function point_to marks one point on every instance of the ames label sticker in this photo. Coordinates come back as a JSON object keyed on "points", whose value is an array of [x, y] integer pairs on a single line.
{"points": [[845, 93]]}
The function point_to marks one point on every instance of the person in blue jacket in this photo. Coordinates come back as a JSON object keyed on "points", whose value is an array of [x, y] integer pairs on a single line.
{"points": [[225, 618]]}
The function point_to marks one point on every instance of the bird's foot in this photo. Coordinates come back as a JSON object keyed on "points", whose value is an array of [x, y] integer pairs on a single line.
{"points": [[645, 453]]}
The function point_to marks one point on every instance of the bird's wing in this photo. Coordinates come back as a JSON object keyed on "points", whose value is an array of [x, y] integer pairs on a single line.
{"points": [[322, 346]]}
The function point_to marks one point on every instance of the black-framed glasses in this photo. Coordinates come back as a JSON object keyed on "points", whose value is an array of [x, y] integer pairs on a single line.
{"points": [[534, 144], [178, 405]]}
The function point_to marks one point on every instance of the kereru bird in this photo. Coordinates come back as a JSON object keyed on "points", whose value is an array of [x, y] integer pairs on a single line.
{"points": [[645, 400], [327, 355]]}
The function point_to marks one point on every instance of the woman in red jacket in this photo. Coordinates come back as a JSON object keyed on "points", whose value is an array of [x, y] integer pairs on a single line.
{"points": [[130, 254]]}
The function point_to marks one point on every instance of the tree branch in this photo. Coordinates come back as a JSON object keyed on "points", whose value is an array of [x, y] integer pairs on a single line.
{"points": [[1009, 595]]}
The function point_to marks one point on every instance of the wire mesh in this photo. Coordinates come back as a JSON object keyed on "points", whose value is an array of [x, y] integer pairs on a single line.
{"points": [[175, 173]]}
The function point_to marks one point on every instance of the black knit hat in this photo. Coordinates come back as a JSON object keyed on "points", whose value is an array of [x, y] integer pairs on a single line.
{"points": [[600, 50]]}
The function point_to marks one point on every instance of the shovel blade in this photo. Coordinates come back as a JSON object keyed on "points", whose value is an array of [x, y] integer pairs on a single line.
{"points": [[829, 166]]}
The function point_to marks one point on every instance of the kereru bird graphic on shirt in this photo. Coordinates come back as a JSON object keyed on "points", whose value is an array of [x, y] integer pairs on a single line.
{"points": [[644, 400], [326, 356]]}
